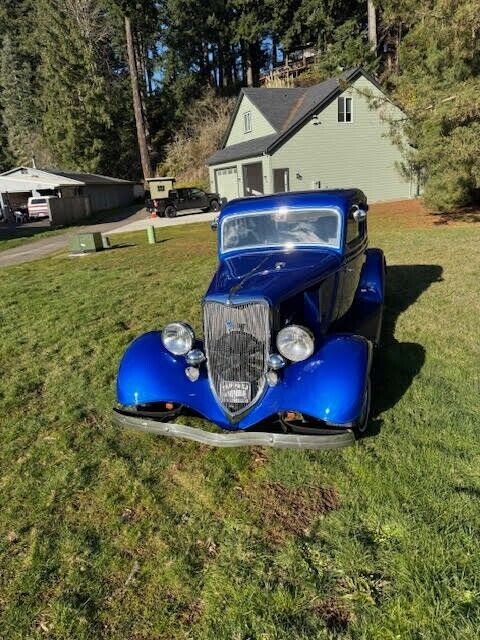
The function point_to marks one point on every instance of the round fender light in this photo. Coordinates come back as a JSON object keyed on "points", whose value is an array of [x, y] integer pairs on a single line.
{"points": [[295, 343], [178, 338], [195, 357]]}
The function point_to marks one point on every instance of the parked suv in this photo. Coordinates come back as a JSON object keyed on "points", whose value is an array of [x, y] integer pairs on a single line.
{"points": [[185, 199]]}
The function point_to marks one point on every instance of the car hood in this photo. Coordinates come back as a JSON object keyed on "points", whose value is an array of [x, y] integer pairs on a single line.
{"points": [[275, 276]]}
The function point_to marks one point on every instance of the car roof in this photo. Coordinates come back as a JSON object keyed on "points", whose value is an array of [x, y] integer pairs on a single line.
{"points": [[342, 199]]}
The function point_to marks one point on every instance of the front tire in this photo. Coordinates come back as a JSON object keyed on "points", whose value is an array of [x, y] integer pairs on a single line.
{"points": [[214, 205], [361, 426], [170, 212]]}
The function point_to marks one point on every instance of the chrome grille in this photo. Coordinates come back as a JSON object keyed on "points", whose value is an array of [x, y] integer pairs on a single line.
{"points": [[237, 340]]}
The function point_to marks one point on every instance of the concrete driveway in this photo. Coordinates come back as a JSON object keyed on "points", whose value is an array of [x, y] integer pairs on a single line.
{"points": [[185, 218], [136, 222]]}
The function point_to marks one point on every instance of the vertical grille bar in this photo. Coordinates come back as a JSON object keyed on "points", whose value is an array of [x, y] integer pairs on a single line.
{"points": [[237, 340]]}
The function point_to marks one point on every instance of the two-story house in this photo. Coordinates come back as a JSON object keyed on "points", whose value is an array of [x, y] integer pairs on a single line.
{"points": [[320, 137]]}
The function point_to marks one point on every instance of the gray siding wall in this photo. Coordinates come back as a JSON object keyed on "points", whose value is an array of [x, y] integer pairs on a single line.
{"points": [[260, 125], [357, 154]]}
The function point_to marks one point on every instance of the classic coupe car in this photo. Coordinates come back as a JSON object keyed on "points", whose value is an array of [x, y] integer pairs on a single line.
{"points": [[290, 320]]}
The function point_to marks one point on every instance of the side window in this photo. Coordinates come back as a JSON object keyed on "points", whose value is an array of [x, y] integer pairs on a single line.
{"points": [[344, 109], [353, 232], [247, 122]]}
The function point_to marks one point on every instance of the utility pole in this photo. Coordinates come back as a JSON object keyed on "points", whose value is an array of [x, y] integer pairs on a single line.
{"points": [[137, 102], [372, 25]]}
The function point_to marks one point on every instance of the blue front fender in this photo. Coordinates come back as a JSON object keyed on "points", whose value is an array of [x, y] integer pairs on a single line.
{"points": [[330, 385]]}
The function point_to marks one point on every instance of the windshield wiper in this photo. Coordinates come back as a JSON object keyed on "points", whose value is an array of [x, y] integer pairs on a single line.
{"points": [[238, 286]]}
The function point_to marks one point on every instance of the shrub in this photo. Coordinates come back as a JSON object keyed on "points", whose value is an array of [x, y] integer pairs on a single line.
{"points": [[199, 137]]}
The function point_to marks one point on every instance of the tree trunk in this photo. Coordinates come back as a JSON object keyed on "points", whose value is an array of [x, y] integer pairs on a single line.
{"points": [[372, 25], [137, 102], [149, 74], [249, 66], [234, 70], [274, 52]]}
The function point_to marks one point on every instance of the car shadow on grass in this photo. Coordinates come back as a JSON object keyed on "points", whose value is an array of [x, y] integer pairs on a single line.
{"points": [[396, 364]]}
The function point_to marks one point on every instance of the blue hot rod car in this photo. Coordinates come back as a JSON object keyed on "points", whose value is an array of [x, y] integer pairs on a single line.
{"points": [[289, 322]]}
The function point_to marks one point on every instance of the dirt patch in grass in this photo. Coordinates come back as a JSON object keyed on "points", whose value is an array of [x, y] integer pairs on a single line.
{"points": [[334, 612], [283, 511], [412, 214], [258, 457]]}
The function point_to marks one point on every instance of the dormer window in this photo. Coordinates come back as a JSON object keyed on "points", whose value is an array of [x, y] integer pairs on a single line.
{"points": [[247, 122], [345, 110]]}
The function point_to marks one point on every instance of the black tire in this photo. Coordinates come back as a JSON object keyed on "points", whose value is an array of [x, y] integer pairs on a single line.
{"points": [[361, 426], [214, 205], [170, 211]]}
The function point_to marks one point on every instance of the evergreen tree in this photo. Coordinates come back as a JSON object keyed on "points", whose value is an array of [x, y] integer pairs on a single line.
{"points": [[73, 36], [438, 84], [18, 87], [19, 113]]}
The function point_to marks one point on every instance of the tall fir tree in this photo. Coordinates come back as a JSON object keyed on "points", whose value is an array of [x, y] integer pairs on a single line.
{"points": [[72, 36], [19, 107], [436, 80]]}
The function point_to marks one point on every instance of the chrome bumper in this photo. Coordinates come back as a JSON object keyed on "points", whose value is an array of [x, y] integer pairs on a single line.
{"points": [[235, 438]]}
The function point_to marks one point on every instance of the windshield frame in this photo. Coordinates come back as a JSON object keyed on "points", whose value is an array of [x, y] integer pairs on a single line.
{"points": [[288, 246]]}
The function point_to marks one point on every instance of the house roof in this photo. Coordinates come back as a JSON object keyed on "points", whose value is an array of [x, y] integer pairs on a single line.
{"points": [[275, 104], [253, 147], [59, 177], [286, 110], [89, 178]]}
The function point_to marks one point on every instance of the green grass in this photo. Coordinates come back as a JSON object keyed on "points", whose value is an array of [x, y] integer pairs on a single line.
{"points": [[110, 534]]}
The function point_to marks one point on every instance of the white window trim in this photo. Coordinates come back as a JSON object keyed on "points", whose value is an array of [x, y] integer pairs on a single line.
{"points": [[344, 111], [249, 129]]}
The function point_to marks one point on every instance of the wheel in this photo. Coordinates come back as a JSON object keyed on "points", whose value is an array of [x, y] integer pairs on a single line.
{"points": [[214, 205], [361, 426], [170, 212]]}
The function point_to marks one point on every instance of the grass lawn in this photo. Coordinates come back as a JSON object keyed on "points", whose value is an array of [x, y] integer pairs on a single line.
{"points": [[110, 534]]}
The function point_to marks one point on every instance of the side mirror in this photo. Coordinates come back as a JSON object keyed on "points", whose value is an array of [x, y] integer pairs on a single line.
{"points": [[358, 214], [214, 224]]}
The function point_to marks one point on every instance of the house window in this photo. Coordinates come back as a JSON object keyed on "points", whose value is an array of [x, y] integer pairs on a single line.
{"points": [[247, 122], [344, 109]]}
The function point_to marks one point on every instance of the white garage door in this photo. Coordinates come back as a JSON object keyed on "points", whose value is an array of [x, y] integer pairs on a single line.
{"points": [[227, 182]]}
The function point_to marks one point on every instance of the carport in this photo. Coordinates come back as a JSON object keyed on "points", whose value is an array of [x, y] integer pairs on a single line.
{"points": [[98, 192]]}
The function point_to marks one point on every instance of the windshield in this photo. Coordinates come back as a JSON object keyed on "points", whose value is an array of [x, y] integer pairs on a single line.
{"points": [[282, 228]]}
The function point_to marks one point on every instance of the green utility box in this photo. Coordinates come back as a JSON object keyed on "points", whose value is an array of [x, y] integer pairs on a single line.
{"points": [[86, 243]]}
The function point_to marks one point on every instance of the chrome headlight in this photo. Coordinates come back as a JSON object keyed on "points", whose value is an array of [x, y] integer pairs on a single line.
{"points": [[295, 343], [178, 338]]}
